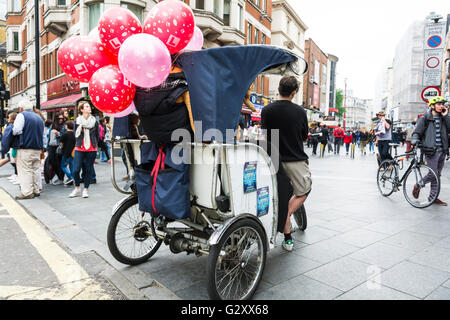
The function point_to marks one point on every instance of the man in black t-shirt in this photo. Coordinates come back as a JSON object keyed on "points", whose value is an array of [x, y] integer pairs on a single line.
{"points": [[291, 121], [68, 144]]}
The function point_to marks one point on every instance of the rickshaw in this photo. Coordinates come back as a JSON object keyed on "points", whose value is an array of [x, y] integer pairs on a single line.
{"points": [[234, 187]]}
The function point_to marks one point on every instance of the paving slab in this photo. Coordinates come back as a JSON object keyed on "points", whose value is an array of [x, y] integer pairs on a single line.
{"points": [[435, 257], [369, 291], [414, 279], [382, 255], [361, 237], [441, 293], [327, 250], [411, 240]]}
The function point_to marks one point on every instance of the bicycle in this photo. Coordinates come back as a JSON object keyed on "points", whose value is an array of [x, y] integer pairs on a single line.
{"points": [[421, 184]]}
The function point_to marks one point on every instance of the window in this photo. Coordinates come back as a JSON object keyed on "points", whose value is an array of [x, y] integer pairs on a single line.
{"points": [[95, 11], [264, 5], [249, 34], [200, 4], [51, 65], [241, 18], [226, 12], [256, 36], [61, 2], [217, 7], [16, 6], [15, 41], [133, 8], [262, 85], [263, 39]]}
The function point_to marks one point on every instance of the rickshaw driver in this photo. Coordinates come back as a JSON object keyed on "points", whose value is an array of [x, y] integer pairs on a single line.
{"points": [[291, 121]]}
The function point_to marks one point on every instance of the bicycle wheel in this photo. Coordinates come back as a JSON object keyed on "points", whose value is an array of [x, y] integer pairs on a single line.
{"points": [[129, 236], [386, 177], [422, 186]]}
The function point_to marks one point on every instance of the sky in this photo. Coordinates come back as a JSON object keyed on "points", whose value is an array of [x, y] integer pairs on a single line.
{"points": [[363, 34], [2, 9]]}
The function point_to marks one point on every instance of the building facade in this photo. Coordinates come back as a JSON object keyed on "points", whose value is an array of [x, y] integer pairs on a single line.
{"points": [[288, 31], [331, 84], [3, 65], [223, 22], [315, 81], [357, 112]]}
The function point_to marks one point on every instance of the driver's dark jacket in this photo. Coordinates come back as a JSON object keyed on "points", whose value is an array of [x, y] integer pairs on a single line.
{"points": [[426, 132]]}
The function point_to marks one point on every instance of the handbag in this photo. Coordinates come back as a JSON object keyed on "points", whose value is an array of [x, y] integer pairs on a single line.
{"points": [[59, 150]]}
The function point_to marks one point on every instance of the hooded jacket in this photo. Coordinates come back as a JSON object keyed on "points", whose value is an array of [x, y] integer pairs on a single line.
{"points": [[426, 132], [160, 112]]}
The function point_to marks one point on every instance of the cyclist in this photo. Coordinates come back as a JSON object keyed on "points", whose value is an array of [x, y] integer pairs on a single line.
{"points": [[432, 130], [383, 133]]}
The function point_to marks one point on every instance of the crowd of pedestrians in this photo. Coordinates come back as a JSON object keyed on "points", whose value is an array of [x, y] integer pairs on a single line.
{"points": [[60, 151]]}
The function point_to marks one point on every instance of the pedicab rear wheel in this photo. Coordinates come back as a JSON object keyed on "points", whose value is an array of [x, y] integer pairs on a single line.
{"points": [[300, 218], [236, 264], [130, 238]]}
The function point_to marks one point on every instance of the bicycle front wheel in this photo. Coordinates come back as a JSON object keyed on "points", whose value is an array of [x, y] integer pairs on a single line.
{"points": [[421, 187], [386, 177]]}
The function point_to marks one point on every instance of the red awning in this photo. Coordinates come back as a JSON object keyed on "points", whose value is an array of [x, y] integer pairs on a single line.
{"points": [[66, 101], [333, 110]]}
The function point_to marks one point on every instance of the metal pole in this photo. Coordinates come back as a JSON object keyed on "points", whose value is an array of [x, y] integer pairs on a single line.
{"points": [[345, 102], [37, 54]]}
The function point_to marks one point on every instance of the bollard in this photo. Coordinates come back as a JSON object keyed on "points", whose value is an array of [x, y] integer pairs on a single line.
{"points": [[322, 150], [352, 153]]}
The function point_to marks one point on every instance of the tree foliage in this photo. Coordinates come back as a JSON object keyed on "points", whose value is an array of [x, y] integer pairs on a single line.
{"points": [[339, 104]]}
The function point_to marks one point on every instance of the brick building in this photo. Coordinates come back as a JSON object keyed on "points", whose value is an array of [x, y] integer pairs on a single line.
{"points": [[223, 22], [315, 93]]}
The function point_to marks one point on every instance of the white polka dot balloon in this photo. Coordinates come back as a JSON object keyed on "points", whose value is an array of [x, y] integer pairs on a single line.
{"points": [[172, 22], [110, 91]]}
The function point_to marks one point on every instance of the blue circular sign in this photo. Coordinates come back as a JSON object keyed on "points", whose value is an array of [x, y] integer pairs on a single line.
{"points": [[434, 41]]}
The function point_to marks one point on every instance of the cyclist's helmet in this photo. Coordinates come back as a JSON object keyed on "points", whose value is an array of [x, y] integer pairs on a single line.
{"points": [[436, 100]]}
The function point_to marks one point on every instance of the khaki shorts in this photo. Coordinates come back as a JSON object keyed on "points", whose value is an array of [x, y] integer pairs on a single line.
{"points": [[300, 176]]}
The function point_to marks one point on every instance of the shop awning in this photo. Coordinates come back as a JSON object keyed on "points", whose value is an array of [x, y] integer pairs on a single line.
{"points": [[66, 101]]}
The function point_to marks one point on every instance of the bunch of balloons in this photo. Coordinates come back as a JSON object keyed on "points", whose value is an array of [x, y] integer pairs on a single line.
{"points": [[121, 54]]}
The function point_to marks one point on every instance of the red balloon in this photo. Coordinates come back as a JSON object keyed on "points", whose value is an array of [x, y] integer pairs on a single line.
{"points": [[172, 22], [81, 56], [110, 91], [115, 26]]}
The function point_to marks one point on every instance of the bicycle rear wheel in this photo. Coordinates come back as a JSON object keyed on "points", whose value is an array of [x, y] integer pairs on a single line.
{"points": [[421, 187], [386, 177]]}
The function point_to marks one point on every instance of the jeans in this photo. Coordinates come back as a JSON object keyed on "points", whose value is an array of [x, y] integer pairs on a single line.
{"points": [[371, 146], [435, 162], [83, 161], [337, 144], [55, 161], [67, 161], [347, 147], [104, 152], [383, 149]]}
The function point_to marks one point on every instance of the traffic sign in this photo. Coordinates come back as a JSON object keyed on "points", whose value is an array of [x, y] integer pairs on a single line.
{"points": [[433, 62], [430, 92], [434, 41]]}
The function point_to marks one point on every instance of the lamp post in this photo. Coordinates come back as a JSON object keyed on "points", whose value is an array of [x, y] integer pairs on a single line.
{"points": [[37, 53], [345, 101]]}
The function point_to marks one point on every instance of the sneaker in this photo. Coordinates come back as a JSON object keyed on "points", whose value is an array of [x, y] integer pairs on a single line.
{"points": [[75, 193], [288, 245], [22, 197], [57, 182], [416, 192], [85, 193], [68, 182], [440, 203], [12, 177], [16, 182]]}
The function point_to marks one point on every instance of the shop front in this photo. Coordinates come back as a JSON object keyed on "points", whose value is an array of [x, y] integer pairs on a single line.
{"points": [[63, 94]]}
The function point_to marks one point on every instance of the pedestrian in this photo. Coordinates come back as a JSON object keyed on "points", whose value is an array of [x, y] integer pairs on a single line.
{"points": [[29, 127], [338, 138], [364, 140], [315, 133], [254, 132], [7, 143], [86, 144], [323, 138], [432, 130], [104, 154], [383, 134], [68, 145], [53, 155], [291, 121], [372, 139], [47, 128], [409, 132], [348, 138]]}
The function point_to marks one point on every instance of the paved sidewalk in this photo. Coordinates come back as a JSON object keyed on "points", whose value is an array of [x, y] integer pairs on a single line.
{"points": [[358, 245]]}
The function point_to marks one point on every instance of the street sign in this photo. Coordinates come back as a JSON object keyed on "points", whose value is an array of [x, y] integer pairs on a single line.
{"points": [[434, 41], [430, 92], [433, 62], [432, 67]]}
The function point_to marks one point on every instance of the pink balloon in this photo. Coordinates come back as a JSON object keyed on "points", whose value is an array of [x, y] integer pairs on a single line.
{"points": [[123, 113], [144, 60], [94, 34], [196, 42]]}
